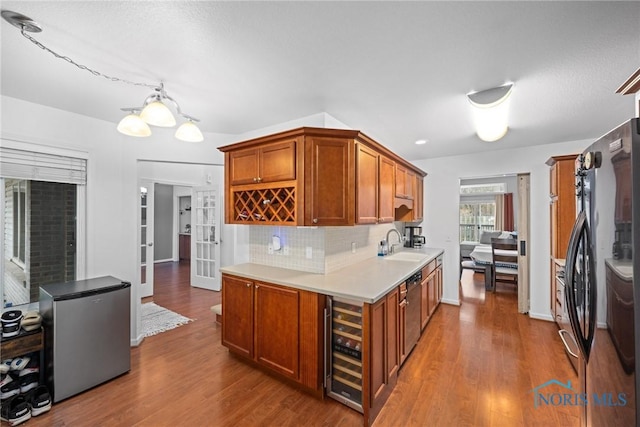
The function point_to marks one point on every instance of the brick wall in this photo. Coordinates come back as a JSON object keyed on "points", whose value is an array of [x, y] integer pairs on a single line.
{"points": [[52, 233]]}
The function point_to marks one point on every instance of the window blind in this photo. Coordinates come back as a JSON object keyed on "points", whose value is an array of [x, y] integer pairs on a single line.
{"points": [[22, 164]]}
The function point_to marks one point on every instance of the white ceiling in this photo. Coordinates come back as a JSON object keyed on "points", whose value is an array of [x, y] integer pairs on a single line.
{"points": [[398, 71]]}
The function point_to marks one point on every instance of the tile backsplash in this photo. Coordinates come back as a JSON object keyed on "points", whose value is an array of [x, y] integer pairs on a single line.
{"points": [[316, 249]]}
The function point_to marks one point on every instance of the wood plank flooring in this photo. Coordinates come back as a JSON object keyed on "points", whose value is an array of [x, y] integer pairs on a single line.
{"points": [[475, 366]]}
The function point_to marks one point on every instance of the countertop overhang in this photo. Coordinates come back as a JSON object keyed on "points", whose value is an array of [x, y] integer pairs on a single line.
{"points": [[366, 281]]}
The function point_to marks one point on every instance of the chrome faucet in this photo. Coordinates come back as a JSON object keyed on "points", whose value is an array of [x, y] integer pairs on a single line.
{"points": [[400, 239]]}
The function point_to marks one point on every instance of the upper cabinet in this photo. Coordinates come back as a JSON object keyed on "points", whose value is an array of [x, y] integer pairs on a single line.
{"points": [[405, 182], [315, 176], [562, 202], [269, 163]]}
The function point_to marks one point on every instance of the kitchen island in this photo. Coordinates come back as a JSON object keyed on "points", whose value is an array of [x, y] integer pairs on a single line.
{"points": [[280, 320]]}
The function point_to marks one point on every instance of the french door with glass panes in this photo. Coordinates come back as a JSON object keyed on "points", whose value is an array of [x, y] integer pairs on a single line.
{"points": [[146, 238], [205, 238]]}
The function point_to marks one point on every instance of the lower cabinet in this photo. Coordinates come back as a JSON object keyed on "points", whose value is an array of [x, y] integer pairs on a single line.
{"points": [[277, 327], [381, 326], [431, 290]]}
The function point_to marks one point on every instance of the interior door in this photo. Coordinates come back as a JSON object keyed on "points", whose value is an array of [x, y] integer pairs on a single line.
{"points": [[205, 238], [145, 228]]}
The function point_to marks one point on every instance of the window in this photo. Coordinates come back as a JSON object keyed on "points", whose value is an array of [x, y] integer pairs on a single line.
{"points": [[475, 217], [488, 188], [18, 199]]}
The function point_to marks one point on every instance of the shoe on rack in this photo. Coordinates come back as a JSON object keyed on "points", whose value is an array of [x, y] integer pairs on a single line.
{"points": [[15, 411], [9, 386], [29, 382], [31, 321], [11, 323], [39, 400], [32, 366], [19, 363], [5, 366]]}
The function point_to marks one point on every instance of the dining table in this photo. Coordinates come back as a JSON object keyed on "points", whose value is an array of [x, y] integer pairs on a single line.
{"points": [[482, 255]]}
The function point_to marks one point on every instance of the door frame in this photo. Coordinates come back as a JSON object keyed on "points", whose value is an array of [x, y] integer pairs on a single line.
{"points": [[523, 222]]}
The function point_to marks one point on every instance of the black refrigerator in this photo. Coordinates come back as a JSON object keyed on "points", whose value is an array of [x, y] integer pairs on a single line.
{"points": [[601, 294]]}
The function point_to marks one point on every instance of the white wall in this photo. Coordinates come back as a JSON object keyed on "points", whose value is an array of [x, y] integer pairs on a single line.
{"points": [[440, 224], [112, 192]]}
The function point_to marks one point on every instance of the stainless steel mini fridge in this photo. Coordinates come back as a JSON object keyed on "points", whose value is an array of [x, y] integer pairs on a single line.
{"points": [[87, 333]]}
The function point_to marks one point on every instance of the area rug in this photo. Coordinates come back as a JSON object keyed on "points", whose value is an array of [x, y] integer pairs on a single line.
{"points": [[156, 319]]}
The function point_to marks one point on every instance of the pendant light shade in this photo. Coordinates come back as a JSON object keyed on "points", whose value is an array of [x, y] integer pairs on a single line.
{"points": [[133, 125], [157, 114], [189, 132]]}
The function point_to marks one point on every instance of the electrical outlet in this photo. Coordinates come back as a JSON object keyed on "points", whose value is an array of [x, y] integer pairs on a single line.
{"points": [[309, 252], [353, 247], [285, 250], [270, 249]]}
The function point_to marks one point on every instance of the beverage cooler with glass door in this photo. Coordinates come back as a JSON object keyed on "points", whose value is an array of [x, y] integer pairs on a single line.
{"points": [[343, 376]]}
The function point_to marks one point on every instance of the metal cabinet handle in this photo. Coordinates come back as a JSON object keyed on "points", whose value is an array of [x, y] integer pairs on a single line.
{"points": [[257, 286], [315, 220], [561, 332], [259, 179], [255, 179], [248, 285]]}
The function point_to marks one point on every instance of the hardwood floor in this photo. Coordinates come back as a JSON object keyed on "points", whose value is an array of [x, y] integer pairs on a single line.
{"points": [[475, 365]]}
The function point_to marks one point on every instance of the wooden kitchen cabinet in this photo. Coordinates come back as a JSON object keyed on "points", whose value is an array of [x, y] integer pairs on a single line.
{"points": [[562, 213], [329, 183], [622, 170], [405, 182], [375, 186], [315, 176], [382, 357], [418, 200], [276, 327], [268, 163], [237, 315], [367, 180], [431, 290], [386, 189]]}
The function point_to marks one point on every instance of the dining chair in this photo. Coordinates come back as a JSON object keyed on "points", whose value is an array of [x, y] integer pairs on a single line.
{"points": [[504, 254]]}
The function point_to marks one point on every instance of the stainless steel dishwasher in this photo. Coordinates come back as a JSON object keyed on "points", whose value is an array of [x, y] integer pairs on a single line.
{"points": [[87, 333], [412, 321]]}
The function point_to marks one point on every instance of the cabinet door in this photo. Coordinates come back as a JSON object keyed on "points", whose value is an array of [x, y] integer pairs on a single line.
{"points": [[402, 321], [440, 282], [237, 315], [424, 303], [278, 162], [367, 185], [433, 293], [410, 184], [418, 199], [378, 350], [401, 179], [277, 318], [393, 356], [386, 189], [329, 181], [244, 166]]}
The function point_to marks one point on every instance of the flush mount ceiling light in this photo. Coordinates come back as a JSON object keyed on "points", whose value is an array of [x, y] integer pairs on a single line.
{"points": [[154, 110], [420, 142], [491, 111]]}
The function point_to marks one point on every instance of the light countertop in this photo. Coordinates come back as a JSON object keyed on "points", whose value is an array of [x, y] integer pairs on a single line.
{"points": [[366, 281]]}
